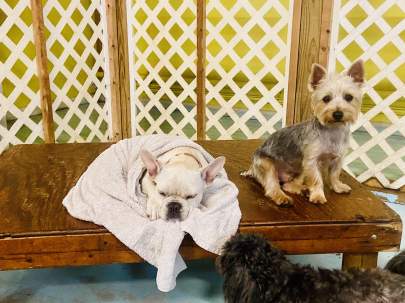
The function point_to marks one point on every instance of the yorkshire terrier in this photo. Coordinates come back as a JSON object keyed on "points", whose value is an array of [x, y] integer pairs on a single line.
{"points": [[256, 272], [307, 155]]}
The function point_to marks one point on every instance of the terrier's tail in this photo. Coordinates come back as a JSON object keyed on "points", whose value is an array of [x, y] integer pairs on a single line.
{"points": [[247, 173], [397, 264]]}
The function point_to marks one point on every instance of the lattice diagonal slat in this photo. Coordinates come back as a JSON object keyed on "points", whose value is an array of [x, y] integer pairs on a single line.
{"points": [[162, 46], [248, 51], [375, 32], [20, 116], [77, 51]]}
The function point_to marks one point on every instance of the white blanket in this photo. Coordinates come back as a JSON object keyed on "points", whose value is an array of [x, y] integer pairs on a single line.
{"points": [[109, 194]]}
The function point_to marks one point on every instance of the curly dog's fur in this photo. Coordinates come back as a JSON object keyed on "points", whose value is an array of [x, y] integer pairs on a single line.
{"points": [[254, 271]]}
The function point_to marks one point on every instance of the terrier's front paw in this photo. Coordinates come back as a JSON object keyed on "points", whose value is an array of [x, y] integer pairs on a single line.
{"points": [[293, 188], [152, 211], [341, 188], [280, 198], [246, 173], [317, 197]]}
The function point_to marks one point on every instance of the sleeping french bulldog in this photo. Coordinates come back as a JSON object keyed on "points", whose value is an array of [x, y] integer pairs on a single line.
{"points": [[175, 182]]}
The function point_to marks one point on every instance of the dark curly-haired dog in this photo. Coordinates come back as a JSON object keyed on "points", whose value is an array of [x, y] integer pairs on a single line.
{"points": [[254, 271]]}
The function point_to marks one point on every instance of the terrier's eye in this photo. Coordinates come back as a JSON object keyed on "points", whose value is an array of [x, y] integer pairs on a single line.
{"points": [[191, 197], [326, 99], [163, 194], [348, 97]]}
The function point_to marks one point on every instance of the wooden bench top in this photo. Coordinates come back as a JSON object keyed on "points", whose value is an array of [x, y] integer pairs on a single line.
{"points": [[36, 230]]}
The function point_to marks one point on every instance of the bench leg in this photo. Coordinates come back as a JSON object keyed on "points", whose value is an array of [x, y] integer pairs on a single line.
{"points": [[359, 260]]}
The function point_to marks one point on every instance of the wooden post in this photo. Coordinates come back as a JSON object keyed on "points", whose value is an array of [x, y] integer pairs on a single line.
{"points": [[201, 56], [359, 260], [123, 60], [292, 74], [119, 68], [313, 47], [111, 15], [324, 40], [42, 68]]}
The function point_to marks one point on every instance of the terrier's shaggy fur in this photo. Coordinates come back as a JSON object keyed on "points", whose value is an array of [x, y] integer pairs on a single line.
{"points": [[256, 272], [309, 154]]}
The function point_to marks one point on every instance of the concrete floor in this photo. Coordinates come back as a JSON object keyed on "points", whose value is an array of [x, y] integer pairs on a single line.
{"points": [[136, 283]]}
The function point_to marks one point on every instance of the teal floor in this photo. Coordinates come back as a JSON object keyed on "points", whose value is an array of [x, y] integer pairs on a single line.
{"points": [[109, 283], [136, 283]]}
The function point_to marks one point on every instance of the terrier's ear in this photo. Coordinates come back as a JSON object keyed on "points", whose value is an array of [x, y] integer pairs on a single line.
{"points": [[318, 72], [150, 162], [356, 72], [211, 170]]}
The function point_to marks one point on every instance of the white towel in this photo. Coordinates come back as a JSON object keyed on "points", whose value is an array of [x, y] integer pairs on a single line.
{"points": [[108, 193]]}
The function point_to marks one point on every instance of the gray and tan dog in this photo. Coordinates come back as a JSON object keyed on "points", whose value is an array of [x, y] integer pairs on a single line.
{"points": [[307, 155]]}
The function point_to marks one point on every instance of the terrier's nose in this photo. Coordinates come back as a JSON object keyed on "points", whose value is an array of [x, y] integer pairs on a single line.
{"points": [[173, 210], [337, 115]]}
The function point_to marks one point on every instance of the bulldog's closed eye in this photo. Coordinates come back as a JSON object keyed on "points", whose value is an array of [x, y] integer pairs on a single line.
{"points": [[163, 194], [191, 197]]}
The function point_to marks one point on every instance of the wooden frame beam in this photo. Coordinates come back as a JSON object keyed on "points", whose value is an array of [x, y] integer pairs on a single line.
{"points": [[201, 60], [310, 44], [293, 69], [123, 60], [119, 68], [324, 39], [42, 69]]}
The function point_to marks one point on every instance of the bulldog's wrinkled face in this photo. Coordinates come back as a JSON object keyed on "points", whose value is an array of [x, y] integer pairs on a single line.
{"points": [[174, 189]]}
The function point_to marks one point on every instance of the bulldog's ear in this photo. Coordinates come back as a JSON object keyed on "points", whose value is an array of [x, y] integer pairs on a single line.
{"points": [[318, 72], [356, 72], [211, 170], [150, 162]]}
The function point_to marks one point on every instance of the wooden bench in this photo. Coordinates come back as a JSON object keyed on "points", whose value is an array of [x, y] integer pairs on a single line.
{"points": [[36, 231]]}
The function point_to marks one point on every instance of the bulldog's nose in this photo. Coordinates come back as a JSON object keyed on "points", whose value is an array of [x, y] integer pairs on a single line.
{"points": [[173, 210], [337, 115]]}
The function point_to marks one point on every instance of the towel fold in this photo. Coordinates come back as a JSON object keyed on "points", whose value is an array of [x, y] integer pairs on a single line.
{"points": [[109, 194]]}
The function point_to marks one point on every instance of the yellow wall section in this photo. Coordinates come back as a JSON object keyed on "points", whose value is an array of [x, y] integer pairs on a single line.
{"points": [[388, 53], [19, 69], [214, 17]]}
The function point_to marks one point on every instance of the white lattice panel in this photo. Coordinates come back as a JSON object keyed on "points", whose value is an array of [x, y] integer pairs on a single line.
{"points": [[162, 45], [375, 32], [20, 117], [248, 51], [77, 51]]}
